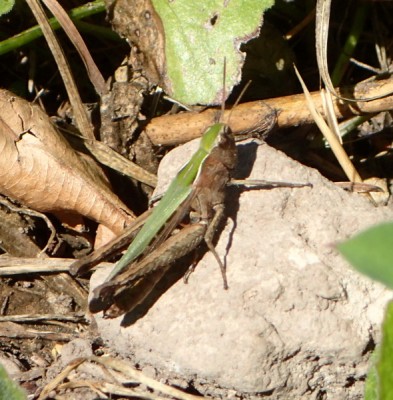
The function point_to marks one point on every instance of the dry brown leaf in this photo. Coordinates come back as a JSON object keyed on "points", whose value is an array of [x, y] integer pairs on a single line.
{"points": [[39, 168]]}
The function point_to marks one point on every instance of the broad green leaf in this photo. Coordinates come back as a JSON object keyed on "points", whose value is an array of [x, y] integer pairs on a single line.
{"points": [[198, 36], [9, 390], [385, 362], [6, 6], [371, 253]]}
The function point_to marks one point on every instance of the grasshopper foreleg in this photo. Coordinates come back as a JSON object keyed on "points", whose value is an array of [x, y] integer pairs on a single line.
{"points": [[209, 236]]}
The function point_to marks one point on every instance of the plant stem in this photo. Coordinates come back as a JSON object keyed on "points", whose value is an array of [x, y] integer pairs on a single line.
{"points": [[350, 44], [35, 32]]}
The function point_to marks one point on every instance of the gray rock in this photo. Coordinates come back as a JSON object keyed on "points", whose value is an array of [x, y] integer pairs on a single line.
{"points": [[296, 322]]}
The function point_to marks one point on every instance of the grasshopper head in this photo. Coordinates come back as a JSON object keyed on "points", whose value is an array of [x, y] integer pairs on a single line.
{"points": [[218, 143], [212, 136]]}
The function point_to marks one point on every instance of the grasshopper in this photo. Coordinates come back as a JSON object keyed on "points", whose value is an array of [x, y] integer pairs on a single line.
{"points": [[199, 185], [201, 181]]}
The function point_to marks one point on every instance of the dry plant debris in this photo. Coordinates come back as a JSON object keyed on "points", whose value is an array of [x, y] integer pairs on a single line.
{"points": [[40, 170]]}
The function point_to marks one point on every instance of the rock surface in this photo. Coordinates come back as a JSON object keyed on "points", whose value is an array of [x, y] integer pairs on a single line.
{"points": [[296, 322]]}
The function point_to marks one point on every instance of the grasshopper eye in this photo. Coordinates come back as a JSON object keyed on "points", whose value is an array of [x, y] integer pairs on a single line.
{"points": [[223, 137]]}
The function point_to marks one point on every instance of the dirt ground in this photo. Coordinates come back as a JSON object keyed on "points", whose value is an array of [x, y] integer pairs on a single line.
{"points": [[296, 322]]}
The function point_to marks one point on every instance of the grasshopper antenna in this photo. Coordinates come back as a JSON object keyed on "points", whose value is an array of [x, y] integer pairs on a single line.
{"points": [[246, 86], [238, 99], [224, 92]]}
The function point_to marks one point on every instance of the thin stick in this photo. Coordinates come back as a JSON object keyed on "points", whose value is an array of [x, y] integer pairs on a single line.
{"points": [[10, 266], [28, 318], [291, 111]]}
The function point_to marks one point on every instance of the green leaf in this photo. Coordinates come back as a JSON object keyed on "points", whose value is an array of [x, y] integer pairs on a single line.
{"points": [[385, 362], [6, 6], [371, 384], [198, 36], [9, 390], [371, 253]]}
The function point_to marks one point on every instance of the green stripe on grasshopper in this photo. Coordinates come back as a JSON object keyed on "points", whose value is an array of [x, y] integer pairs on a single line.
{"points": [[178, 191]]}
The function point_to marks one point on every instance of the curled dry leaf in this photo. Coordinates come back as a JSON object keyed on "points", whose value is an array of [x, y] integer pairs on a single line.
{"points": [[39, 168]]}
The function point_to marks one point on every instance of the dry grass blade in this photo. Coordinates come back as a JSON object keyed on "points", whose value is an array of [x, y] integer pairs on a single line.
{"points": [[138, 376], [331, 118], [59, 378], [81, 118], [111, 389], [120, 366], [93, 385], [109, 157], [66, 23], [322, 19], [331, 137]]}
